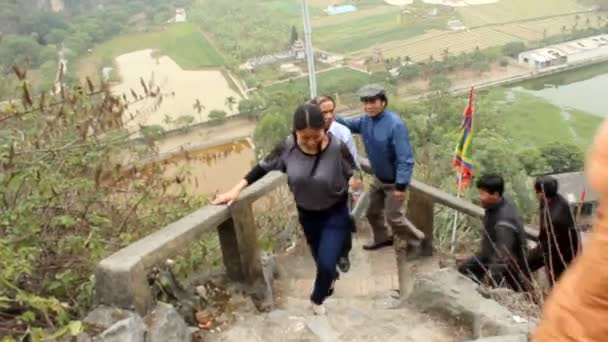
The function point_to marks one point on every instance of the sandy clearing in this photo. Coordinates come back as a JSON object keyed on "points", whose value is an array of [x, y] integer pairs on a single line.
{"points": [[209, 86]]}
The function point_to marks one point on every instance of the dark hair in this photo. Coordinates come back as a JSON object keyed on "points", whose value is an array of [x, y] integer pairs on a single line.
{"points": [[322, 99], [326, 98], [309, 116], [491, 183], [314, 101], [547, 185]]}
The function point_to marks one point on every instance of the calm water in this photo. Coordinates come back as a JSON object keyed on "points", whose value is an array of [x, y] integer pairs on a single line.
{"points": [[584, 89]]}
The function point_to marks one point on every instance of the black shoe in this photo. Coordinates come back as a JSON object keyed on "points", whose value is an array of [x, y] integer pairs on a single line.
{"points": [[414, 252], [427, 250], [377, 245], [344, 264]]}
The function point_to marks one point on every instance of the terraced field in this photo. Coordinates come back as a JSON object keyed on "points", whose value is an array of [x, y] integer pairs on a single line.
{"points": [[537, 29], [512, 10], [362, 33], [433, 43]]}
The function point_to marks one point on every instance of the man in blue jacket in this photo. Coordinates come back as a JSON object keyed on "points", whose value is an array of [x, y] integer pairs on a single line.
{"points": [[386, 141]]}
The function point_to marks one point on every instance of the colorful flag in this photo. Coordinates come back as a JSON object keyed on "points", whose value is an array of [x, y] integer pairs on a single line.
{"points": [[463, 158]]}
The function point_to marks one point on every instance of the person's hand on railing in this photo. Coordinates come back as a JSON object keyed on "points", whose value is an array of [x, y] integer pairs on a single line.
{"points": [[230, 196], [226, 198]]}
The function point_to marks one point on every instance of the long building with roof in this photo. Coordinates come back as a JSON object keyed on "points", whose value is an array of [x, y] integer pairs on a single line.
{"points": [[567, 53]]}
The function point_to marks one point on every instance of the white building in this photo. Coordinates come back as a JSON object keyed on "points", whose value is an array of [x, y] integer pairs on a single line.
{"points": [[298, 49], [180, 15], [331, 59], [456, 25], [572, 52]]}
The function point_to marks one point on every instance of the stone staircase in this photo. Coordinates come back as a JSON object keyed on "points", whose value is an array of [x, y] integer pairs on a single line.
{"points": [[442, 307], [364, 307]]}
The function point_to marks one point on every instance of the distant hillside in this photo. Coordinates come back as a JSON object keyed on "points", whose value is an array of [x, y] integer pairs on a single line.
{"points": [[13, 12]]}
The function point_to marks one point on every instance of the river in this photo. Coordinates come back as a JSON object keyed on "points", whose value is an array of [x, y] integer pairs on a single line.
{"points": [[212, 169], [583, 89]]}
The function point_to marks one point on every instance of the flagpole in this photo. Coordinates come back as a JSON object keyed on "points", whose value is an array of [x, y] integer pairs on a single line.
{"points": [[460, 174], [455, 223]]}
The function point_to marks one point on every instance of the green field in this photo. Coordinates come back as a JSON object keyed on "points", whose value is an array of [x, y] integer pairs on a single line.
{"points": [[537, 122], [585, 125], [362, 33], [336, 80], [289, 8], [182, 42], [512, 10]]}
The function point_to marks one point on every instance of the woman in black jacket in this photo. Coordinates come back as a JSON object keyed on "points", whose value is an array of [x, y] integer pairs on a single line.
{"points": [[318, 168], [558, 239]]}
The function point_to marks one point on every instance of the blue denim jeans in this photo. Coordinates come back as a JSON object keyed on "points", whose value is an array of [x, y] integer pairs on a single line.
{"points": [[326, 232]]}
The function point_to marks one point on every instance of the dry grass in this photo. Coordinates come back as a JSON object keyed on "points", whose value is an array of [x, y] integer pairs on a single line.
{"points": [[539, 29], [518, 303], [511, 10]]}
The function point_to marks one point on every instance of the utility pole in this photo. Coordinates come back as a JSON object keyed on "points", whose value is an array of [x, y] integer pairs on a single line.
{"points": [[310, 57]]}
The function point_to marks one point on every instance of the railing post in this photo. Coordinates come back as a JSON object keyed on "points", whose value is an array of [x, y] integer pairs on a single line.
{"points": [[123, 284], [230, 250], [249, 251], [420, 209], [240, 250]]}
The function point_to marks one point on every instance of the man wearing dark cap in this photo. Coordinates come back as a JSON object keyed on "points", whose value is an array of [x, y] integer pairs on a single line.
{"points": [[558, 241], [386, 141]]}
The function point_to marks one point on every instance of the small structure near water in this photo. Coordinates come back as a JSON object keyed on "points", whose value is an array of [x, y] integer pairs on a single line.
{"points": [[339, 9], [567, 53]]}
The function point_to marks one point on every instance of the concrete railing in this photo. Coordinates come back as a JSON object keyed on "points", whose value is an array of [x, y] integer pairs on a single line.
{"points": [[121, 279]]}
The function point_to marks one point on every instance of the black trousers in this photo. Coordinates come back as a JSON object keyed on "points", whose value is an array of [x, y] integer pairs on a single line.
{"points": [[324, 230], [348, 243], [478, 267], [553, 263]]}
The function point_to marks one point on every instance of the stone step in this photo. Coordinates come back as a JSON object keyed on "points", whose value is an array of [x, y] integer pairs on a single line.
{"points": [[347, 320], [347, 287]]}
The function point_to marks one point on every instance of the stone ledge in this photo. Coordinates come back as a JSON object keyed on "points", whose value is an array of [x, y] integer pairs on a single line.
{"points": [[449, 294], [108, 324]]}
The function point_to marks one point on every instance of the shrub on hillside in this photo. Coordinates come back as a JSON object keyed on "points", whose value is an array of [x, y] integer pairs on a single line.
{"points": [[68, 199]]}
